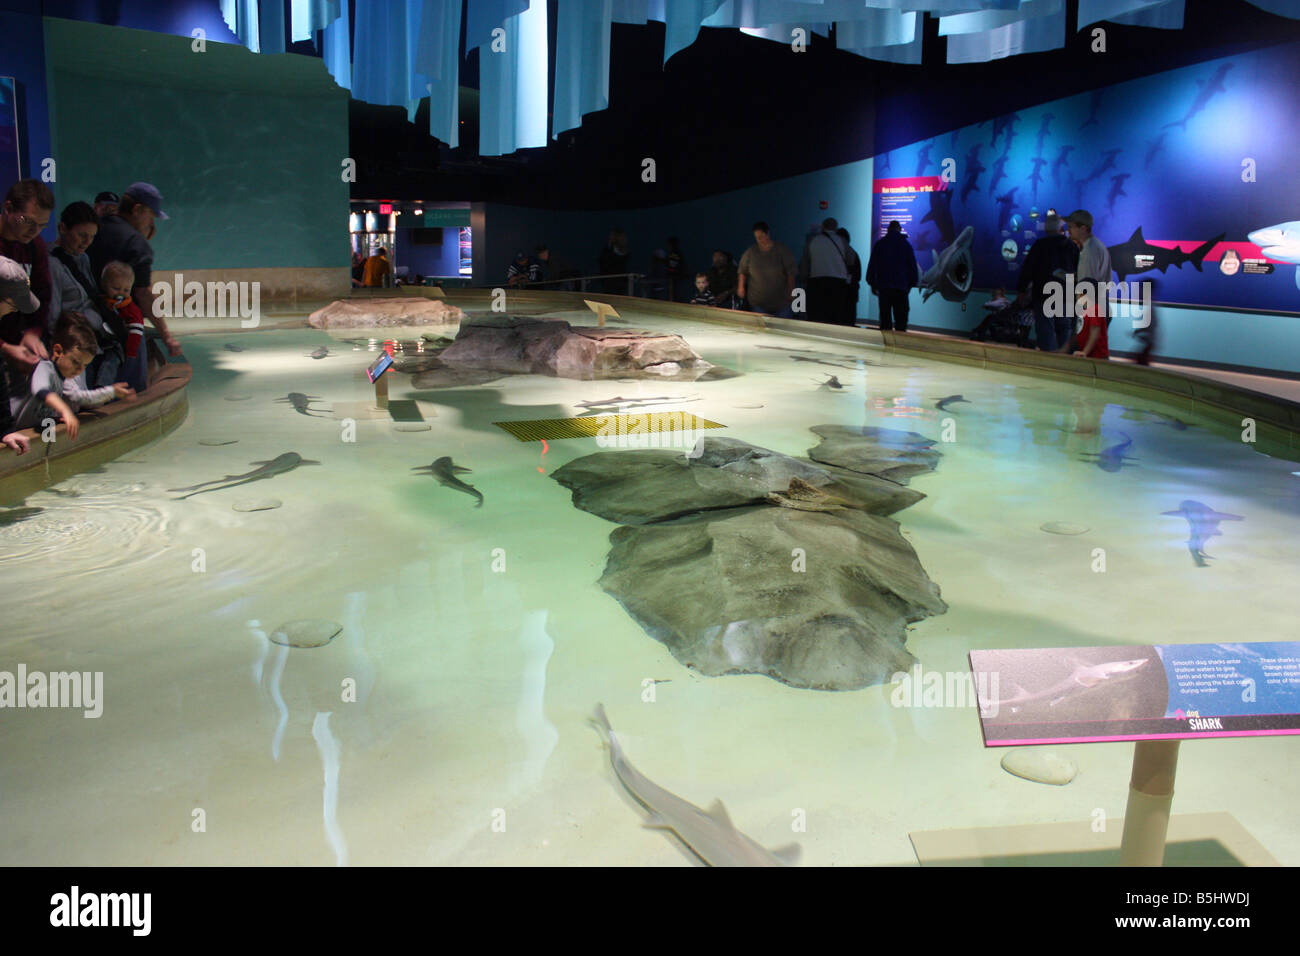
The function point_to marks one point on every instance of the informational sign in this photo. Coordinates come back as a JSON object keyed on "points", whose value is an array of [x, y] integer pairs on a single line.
{"points": [[907, 200], [1137, 692]]}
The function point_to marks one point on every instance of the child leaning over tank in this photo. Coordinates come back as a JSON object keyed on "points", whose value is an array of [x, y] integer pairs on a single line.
{"points": [[56, 383]]}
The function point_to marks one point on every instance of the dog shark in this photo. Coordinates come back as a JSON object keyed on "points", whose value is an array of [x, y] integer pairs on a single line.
{"points": [[941, 214], [1208, 88], [833, 382], [320, 353], [953, 269], [710, 834], [278, 465], [1083, 678], [445, 472], [1280, 242], [1112, 459], [301, 404], [234, 348], [1137, 255], [1204, 524], [943, 403]]}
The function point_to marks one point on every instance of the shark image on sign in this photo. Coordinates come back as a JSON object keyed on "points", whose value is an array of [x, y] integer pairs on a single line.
{"points": [[1137, 255], [1204, 523], [1280, 242], [268, 469], [953, 270], [1083, 678], [941, 214], [1208, 88], [710, 835]]}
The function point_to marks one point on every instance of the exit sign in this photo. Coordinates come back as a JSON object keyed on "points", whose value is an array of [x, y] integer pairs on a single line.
{"points": [[385, 208]]}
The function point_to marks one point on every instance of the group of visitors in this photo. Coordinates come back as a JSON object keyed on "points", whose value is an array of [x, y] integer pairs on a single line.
{"points": [[72, 315], [1078, 327]]}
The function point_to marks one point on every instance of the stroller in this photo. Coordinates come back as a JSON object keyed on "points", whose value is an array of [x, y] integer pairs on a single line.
{"points": [[1007, 326]]}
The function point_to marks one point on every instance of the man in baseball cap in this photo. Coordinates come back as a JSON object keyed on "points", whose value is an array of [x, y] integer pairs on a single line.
{"points": [[106, 204], [15, 292], [148, 195]]}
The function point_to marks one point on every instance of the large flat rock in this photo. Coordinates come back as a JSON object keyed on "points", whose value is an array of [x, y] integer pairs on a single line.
{"points": [[538, 345], [726, 595], [883, 452], [383, 313], [638, 487]]}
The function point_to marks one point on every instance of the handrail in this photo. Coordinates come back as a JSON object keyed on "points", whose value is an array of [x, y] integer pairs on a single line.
{"points": [[582, 281]]}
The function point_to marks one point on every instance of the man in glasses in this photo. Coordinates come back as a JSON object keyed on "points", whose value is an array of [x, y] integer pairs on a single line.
{"points": [[27, 210]]}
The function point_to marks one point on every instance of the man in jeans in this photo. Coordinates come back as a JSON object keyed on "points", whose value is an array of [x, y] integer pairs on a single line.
{"points": [[891, 274], [1047, 263]]}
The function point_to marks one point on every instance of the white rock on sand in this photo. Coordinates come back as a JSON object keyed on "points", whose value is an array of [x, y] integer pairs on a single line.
{"points": [[383, 313]]}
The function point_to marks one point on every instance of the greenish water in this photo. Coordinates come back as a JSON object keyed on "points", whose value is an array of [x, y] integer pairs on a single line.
{"points": [[447, 721]]}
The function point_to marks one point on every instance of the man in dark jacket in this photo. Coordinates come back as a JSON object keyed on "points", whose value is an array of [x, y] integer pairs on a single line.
{"points": [[891, 273], [1047, 263]]}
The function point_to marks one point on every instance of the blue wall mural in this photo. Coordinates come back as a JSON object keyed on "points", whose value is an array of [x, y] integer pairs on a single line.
{"points": [[1190, 176]]}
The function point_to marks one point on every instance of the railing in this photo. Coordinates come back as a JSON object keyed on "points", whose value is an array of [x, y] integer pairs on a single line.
{"points": [[631, 277]]}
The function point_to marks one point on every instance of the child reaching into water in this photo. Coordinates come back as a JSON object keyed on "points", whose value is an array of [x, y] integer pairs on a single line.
{"points": [[116, 280], [15, 296], [55, 381]]}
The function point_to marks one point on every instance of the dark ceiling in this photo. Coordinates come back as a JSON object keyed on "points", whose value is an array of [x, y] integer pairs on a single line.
{"points": [[733, 111]]}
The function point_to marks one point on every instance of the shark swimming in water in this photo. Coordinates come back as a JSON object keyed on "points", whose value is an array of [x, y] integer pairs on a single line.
{"points": [[1280, 242], [709, 834], [833, 382], [1112, 459], [445, 471], [943, 403], [301, 404], [1083, 678], [320, 353], [268, 469], [1204, 523]]}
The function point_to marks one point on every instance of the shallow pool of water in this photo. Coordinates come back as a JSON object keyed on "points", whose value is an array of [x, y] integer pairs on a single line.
{"points": [[447, 722]]}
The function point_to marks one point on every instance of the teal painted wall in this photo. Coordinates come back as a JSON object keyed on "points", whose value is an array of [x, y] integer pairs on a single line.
{"points": [[246, 149]]}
